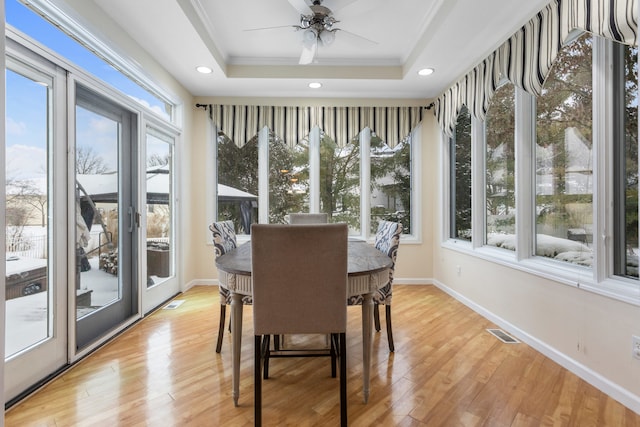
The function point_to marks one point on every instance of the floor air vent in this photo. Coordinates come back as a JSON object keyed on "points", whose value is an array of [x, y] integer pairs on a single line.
{"points": [[503, 336]]}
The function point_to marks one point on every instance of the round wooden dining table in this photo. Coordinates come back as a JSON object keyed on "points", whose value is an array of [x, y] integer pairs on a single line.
{"points": [[368, 270]]}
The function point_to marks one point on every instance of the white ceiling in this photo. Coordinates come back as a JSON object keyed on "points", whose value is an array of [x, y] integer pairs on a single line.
{"points": [[450, 36]]}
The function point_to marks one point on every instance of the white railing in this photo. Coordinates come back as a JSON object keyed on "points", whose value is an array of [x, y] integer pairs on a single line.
{"points": [[36, 246], [158, 239], [27, 247]]}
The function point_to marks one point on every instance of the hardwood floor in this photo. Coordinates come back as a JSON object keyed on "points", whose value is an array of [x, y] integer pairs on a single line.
{"points": [[446, 370]]}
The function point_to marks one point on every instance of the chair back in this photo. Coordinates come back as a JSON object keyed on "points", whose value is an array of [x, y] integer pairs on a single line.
{"points": [[308, 218], [387, 241], [224, 237], [299, 277]]}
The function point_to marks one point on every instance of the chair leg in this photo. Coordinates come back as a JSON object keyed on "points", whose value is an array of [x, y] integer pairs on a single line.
{"points": [[257, 381], [334, 353], [387, 316], [342, 348], [266, 342], [376, 317], [223, 310]]}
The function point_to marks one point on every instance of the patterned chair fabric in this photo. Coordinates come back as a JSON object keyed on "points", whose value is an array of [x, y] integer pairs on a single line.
{"points": [[387, 240], [224, 240]]}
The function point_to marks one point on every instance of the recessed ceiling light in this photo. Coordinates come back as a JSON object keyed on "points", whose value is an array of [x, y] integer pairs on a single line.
{"points": [[204, 70], [425, 71], [315, 85]]}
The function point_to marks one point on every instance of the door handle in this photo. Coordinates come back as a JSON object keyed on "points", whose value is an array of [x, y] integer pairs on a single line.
{"points": [[130, 219]]}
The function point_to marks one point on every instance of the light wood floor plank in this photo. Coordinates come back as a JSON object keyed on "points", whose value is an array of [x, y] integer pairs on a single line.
{"points": [[446, 371]]}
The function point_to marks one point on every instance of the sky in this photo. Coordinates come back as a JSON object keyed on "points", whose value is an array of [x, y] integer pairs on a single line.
{"points": [[26, 123]]}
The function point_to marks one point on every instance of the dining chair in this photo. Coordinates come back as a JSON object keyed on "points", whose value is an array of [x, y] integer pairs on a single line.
{"points": [[387, 241], [302, 218], [308, 218], [299, 275], [224, 240]]}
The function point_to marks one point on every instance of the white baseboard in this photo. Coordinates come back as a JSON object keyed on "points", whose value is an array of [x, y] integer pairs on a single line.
{"points": [[612, 389], [200, 282]]}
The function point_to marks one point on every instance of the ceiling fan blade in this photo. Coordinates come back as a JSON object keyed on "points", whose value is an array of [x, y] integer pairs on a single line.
{"points": [[308, 52], [357, 36], [301, 6], [270, 28]]}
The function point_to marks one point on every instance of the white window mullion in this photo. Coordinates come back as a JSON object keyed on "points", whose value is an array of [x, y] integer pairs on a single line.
{"points": [[525, 154], [416, 183], [263, 176], [445, 193], [365, 181], [314, 170], [603, 169], [478, 182]]}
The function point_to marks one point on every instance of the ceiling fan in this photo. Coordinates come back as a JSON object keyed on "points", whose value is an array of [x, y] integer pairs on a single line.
{"points": [[318, 25]]}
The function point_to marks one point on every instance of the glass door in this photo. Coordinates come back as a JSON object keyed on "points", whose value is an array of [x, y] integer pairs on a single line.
{"points": [[106, 218], [35, 221], [159, 219]]}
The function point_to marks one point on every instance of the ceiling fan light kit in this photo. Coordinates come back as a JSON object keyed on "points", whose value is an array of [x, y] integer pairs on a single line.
{"points": [[309, 36], [327, 37], [317, 25]]}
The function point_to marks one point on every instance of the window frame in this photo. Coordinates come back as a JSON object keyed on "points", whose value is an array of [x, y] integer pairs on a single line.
{"points": [[482, 154], [415, 237], [451, 229]]}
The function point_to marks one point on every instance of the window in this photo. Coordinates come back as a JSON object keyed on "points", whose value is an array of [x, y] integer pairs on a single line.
{"points": [[625, 179], [564, 158], [340, 182], [578, 148], [288, 179], [500, 169], [317, 175], [460, 146], [238, 183], [391, 183]]}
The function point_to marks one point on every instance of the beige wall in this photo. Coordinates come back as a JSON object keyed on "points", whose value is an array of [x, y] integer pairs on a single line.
{"points": [[198, 266]]}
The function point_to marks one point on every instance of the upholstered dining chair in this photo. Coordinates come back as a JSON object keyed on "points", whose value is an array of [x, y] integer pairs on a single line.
{"points": [[294, 292], [302, 218], [308, 218], [387, 240], [224, 240]]}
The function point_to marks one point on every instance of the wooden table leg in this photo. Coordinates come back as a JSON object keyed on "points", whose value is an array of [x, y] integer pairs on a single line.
{"points": [[236, 343], [367, 330]]}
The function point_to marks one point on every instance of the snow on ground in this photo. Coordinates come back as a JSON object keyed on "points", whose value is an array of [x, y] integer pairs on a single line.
{"points": [[26, 322], [560, 249], [104, 285], [26, 317]]}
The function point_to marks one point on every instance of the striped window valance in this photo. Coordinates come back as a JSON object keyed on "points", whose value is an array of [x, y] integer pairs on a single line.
{"points": [[242, 122], [525, 59]]}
